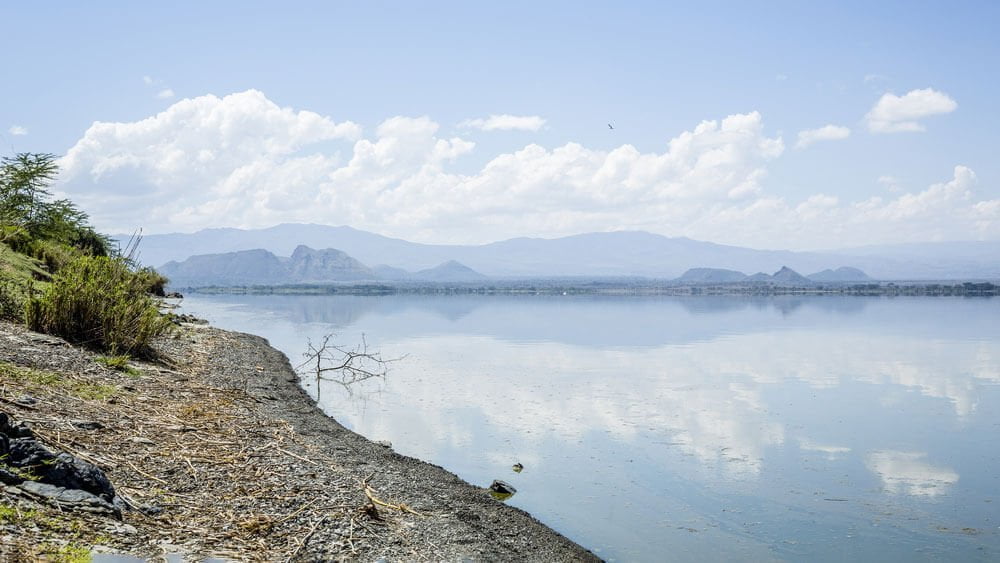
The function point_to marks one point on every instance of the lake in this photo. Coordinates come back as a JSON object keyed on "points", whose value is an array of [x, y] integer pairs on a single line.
{"points": [[685, 428]]}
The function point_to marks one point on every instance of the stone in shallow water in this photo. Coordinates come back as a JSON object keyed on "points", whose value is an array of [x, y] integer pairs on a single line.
{"points": [[501, 490]]}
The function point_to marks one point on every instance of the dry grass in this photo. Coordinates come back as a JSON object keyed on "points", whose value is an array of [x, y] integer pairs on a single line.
{"points": [[208, 470]]}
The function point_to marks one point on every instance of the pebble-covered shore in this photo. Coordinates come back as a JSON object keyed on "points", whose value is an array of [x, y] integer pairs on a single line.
{"points": [[214, 450]]}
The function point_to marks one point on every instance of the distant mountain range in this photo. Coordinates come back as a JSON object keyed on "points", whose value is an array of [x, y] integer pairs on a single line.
{"points": [[304, 266], [613, 254], [309, 266], [785, 276]]}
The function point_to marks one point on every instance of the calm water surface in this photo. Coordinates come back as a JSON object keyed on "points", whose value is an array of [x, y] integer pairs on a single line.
{"points": [[690, 429]]}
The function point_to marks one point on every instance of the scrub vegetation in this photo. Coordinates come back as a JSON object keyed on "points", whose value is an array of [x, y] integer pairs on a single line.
{"points": [[60, 276]]}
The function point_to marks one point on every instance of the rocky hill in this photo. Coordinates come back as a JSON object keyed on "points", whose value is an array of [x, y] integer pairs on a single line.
{"points": [[603, 254], [308, 265], [449, 271], [305, 265], [842, 274], [786, 277], [711, 275], [231, 268]]}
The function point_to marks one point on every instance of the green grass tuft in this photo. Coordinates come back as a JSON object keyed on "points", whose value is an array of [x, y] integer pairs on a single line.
{"points": [[20, 277], [69, 553], [118, 363], [51, 380]]}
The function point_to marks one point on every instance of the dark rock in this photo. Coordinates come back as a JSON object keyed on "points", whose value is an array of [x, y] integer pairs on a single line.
{"points": [[173, 295], [27, 452], [72, 477], [186, 318], [72, 473], [8, 427], [502, 487], [73, 499], [8, 478], [26, 400], [150, 509], [36, 338], [87, 424]]}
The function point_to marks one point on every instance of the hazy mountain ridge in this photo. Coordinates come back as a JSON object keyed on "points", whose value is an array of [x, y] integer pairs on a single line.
{"points": [[841, 274], [305, 265], [784, 277], [308, 265], [232, 268], [623, 253], [450, 271]]}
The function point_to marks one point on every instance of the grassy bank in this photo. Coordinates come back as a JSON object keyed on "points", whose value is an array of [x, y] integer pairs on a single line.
{"points": [[59, 276]]}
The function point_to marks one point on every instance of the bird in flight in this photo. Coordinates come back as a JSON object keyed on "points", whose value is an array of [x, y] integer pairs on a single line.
{"points": [[610, 126]]}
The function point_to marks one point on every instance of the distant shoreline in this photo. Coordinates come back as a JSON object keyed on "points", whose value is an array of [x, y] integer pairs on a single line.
{"points": [[638, 288]]}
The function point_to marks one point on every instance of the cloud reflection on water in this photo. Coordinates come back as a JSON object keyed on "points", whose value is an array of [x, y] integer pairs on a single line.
{"points": [[714, 401], [908, 473], [652, 415]]}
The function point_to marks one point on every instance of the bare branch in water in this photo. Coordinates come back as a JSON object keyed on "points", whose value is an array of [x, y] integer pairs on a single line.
{"points": [[329, 361]]}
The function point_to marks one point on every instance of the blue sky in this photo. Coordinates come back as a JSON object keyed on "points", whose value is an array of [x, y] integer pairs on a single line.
{"points": [[246, 151]]}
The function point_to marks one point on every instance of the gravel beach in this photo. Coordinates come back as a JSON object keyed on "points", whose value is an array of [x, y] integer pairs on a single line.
{"points": [[214, 450]]}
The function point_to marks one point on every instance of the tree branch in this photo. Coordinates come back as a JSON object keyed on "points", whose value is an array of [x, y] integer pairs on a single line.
{"points": [[329, 361]]}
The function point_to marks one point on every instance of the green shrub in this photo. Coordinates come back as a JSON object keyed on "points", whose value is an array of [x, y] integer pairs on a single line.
{"points": [[153, 281], [19, 278], [17, 238], [99, 301], [55, 255], [13, 296]]}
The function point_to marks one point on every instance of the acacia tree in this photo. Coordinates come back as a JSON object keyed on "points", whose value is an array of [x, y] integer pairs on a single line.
{"points": [[26, 203], [24, 181]]}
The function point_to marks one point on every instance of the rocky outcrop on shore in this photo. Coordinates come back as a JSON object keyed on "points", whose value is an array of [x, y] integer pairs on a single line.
{"points": [[216, 450], [29, 469]]}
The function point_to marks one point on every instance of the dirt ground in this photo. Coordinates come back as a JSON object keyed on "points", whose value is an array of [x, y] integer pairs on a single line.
{"points": [[220, 453]]}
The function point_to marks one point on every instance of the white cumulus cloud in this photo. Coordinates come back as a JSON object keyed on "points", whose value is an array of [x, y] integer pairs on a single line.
{"points": [[17, 130], [505, 122], [165, 94], [243, 161], [894, 114], [825, 133], [198, 153]]}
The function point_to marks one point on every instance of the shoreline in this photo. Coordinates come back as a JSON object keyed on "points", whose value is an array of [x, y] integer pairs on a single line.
{"points": [[230, 457], [666, 289]]}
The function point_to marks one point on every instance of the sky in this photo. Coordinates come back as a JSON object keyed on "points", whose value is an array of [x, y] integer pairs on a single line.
{"points": [[795, 125]]}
